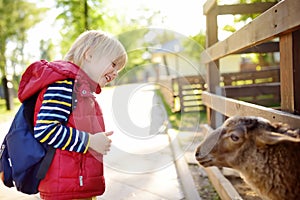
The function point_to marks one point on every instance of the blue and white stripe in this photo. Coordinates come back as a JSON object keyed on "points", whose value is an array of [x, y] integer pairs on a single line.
{"points": [[54, 113]]}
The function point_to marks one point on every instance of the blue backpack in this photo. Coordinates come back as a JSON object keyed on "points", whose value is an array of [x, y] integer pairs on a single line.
{"points": [[23, 159]]}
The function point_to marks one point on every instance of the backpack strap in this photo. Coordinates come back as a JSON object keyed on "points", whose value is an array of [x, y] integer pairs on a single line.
{"points": [[45, 164], [29, 105]]}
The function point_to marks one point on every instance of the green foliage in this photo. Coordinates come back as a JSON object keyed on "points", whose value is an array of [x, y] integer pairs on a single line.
{"points": [[47, 49], [74, 16], [194, 45], [251, 16], [200, 38], [229, 28], [141, 42], [246, 17], [135, 46], [261, 59], [17, 16], [81, 15]]}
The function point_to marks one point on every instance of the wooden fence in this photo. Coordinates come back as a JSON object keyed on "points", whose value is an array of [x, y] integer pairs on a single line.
{"points": [[188, 90], [259, 87], [278, 20]]}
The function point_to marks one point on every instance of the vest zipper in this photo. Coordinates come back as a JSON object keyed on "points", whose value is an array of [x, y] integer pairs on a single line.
{"points": [[81, 181], [80, 172]]}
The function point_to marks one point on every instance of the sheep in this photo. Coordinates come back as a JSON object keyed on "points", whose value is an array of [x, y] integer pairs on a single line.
{"points": [[266, 155]]}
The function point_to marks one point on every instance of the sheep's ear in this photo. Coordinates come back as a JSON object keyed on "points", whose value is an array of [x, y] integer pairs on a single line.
{"points": [[280, 127], [271, 138]]}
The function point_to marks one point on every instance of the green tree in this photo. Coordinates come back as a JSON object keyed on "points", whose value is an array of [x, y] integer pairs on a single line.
{"points": [[254, 15], [81, 15], [139, 40], [194, 45], [47, 49], [261, 59], [75, 14], [17, 16], [246, 17]]}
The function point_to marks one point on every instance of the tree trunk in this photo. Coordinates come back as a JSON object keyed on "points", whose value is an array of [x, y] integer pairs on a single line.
{"points": [[8, 96]]}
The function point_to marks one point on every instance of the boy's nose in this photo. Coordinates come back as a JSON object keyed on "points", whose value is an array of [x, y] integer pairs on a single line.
{"points": [[115, 72]]}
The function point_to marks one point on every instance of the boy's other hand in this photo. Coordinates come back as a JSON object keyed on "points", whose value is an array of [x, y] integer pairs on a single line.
{"points": [[100, 142]]}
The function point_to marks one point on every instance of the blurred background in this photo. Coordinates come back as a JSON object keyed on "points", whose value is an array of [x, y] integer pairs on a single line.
{"points": [[163, 38]]}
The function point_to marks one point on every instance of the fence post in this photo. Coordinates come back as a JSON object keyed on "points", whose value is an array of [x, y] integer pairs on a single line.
{"points": [[212, 68]]}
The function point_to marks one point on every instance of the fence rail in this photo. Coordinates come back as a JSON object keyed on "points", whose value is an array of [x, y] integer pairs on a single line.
{"points": [[259, 87], [280, 21]]}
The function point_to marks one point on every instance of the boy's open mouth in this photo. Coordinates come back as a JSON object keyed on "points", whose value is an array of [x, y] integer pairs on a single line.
{"points": [[108, 79]]}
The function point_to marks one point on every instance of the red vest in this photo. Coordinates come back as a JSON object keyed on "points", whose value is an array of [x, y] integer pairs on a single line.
{"points": [[71, 175]]}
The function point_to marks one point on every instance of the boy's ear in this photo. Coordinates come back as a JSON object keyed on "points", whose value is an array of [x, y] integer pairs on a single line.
{"points": [[88, 56]]}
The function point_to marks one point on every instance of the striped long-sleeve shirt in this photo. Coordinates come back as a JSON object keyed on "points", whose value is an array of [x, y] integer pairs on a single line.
{"points": [[50, 126]]}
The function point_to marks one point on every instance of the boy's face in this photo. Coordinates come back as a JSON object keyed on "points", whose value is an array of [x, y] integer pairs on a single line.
{"points": [[102, 70]]}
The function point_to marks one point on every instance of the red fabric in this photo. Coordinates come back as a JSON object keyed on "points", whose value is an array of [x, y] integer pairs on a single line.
{"points": [[62, 181]]}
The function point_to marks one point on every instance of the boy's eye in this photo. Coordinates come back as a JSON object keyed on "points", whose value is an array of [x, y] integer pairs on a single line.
{"points": [[113, 64]]}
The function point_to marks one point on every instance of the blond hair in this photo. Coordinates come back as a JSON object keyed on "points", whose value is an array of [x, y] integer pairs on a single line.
{"points": [[101, 44]]}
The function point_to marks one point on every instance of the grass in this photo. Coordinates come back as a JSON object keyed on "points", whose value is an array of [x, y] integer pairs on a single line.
{"points": [[7, 115]]}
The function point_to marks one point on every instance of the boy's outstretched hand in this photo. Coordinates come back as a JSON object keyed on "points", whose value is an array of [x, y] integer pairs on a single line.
{"points": [[100, 142]]}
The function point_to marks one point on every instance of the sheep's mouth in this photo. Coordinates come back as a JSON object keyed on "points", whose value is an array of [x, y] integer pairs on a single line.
{"points": [[205, 161]]}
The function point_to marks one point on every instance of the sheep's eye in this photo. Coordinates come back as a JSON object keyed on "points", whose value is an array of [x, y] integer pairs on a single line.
{"points": [[223, 131], [234, 137]]}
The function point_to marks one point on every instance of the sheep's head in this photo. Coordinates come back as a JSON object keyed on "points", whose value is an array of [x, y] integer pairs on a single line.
{"points": [[227, 145]]}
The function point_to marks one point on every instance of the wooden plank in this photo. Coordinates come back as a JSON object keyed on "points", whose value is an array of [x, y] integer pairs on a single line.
{"points": [[286, 74], [184, 173], [190, 80], [231, 107], [212, 76], [283, 17], [244, 8], [222, 185], [267, 94], [255, 76], [213, 82], [209, 5], [252, 90], [193, 98], [296, 61], [267, 47], [190, 88], [211, 28]]}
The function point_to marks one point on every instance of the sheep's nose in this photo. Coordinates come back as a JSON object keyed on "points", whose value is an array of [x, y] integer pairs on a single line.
{"points": [[197, 154]]}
